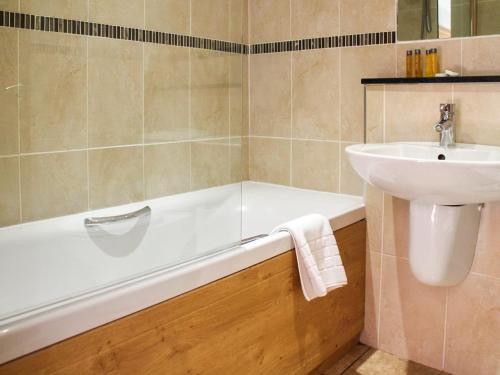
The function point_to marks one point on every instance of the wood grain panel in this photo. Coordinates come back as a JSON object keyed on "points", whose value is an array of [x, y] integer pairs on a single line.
{"points": [[255, 321]]}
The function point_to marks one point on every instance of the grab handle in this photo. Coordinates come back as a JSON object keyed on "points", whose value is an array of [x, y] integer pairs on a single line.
{"points": [[95, 221]]}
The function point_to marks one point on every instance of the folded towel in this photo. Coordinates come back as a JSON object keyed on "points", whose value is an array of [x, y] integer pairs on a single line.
{"points": [[318, 258]]}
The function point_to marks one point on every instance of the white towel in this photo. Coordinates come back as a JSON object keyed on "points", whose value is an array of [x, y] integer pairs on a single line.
{"points": [[318, 258]]}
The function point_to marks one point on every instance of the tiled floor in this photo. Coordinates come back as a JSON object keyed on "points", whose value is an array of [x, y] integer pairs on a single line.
{"points": [[363, 360]]}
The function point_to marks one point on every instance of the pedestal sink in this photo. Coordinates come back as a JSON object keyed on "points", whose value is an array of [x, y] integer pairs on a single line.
{"points": [[446, 187]]}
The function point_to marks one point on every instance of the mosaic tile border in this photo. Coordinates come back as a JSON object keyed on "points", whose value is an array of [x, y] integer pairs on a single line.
{"points": [[385, 37], [61, 25], [67, 26]]}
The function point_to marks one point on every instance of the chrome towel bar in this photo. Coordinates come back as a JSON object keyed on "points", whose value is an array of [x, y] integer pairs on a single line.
{"points": [[95, 221]]}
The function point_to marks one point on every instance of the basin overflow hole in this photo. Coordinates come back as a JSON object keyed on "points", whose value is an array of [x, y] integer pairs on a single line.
{"points": [[441, 157]]}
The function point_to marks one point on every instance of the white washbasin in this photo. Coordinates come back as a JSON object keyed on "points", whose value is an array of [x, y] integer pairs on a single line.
{"points": [[412, 170], [446, 188]]}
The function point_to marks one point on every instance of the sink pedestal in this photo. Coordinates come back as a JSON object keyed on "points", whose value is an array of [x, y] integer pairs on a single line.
{"points": [[442, 241]]}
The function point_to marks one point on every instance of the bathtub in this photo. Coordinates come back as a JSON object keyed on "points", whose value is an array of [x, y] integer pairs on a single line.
{"points": [[59, 278]]}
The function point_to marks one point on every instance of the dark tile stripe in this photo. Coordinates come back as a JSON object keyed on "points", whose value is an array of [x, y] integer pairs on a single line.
{"points": [[60, 25], [387, 37]]}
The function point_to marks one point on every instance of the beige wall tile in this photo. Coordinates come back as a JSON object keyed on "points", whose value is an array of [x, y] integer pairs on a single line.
{"points": [[473, 327], [245, 96], [9, 141], [412, 111], [245, 158], [239, 159], [237, 12], [210, 164], [115, 92], [396, 224], [116, 12], [313, 18], [9, 5], [270, 95], [166, 169], [412, 315], [246, 23], [375, 112], [487, 257], [360, 16], [315, 165], [270, 160], [357, 63], [209, 94], [73, 9], [374, 200], [449, 52], [478, 113], [481, 56], [269, 20], [53, 184], [350, 182], [166, 93], [115, 176], [172, 16], [315, 94], [9, 191], [236, 96], [238, 149], [210, 19], [369, 336], [52, 70]]}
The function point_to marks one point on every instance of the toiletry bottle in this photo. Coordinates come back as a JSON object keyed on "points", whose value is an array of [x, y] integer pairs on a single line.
{"points": [[418, 63], [435, 61], [428, 63], [410, 65]]}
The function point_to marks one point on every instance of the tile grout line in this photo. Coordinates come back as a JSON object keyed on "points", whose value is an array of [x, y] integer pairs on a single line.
{"points": [[87, 112], [87, 121], [245, 36], [291, 96], [445, 327], [339, 126], [303, 139], [19, 123], [6, 156], [384, 92], [484, 275], [229, 76], [339, 155], [379, 307], [290, 182], [143, 105], [190, 131]]}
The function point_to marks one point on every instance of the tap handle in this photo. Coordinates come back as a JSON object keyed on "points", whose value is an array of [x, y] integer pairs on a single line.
{"points": [[446, 108], [447, 111]]}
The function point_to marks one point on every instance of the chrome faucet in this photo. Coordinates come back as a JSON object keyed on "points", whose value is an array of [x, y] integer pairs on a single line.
{"points": [[446, 125]]}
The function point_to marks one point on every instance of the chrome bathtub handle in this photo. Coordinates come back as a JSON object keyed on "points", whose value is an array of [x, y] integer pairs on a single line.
{"points": [[95, 221]]}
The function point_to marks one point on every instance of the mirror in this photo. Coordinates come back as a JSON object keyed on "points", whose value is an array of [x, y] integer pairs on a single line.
{"points": [[436, 19]]}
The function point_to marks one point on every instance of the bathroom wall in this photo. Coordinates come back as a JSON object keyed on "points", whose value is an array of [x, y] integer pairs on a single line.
{"points": [[306, 106], [90, 121], [457, 328]]}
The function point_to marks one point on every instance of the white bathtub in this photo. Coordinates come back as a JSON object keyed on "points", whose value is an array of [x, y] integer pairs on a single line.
{"points": [[58, 279]]}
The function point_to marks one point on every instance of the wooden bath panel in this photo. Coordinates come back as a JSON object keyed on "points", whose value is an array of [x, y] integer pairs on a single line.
{"points": [[255, 321]]}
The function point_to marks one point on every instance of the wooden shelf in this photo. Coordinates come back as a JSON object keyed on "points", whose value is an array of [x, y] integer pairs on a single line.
{"points": [[404, 80]]}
